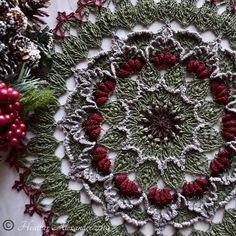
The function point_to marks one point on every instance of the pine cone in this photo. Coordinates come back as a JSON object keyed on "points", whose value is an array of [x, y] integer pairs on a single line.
{"points": [[15, 20], [3, 29], [4, 5], [7, 66], [33, 9], [24, 50]]}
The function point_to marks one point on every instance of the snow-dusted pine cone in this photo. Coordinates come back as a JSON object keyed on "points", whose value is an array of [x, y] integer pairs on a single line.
{"points": [[15, 19], [7, 66], [33, 9], [4, 5], [3, 28], [24, 50]]}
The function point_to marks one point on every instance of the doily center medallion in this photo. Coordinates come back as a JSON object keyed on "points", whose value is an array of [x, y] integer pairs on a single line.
{"points": [[142, 118]]}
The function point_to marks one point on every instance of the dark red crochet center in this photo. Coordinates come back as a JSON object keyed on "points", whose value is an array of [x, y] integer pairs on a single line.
{"points": [[161, 123]]}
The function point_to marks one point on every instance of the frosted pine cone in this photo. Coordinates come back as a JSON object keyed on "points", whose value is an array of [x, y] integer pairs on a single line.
{"points": [[33, 9], [3, 5], [24, 50], [3, 28], [16, 20], [7, 66]]}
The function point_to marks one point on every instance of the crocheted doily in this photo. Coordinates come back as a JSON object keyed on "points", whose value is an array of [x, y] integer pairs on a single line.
{"points": [[149, 128]]}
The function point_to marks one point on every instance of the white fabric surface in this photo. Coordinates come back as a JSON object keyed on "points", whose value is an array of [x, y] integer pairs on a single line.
{"points": [[12, 203]]}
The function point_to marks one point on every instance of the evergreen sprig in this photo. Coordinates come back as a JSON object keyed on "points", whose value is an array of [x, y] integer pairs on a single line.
{"points": [[35, 99]]}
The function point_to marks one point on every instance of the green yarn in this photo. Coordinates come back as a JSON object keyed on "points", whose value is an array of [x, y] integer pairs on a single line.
{"points": [[75, 49]]}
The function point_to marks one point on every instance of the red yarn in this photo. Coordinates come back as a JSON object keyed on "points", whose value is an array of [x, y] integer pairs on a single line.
{"points": [[31, 209], [92, 125], [99, 153], [160, 197], [96, 117], [229, 126], [197, 67], [104, 165], [164, 58], [219, 164], [126, 186], [78, 15], [99, 156], [130, 67], [220, 92], [20, 184], [120, 179], [195, 188], [103, 91]]}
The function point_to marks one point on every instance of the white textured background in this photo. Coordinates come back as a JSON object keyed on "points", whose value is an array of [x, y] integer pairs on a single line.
{"points": [[12, 203]]}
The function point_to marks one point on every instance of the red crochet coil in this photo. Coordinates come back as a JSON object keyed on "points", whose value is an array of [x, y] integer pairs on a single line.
{"points": [[126, 186], [99, 153], [197, 67], [219, 164], [104, 165], [130, 67], [104, 89], [160, 197], [229, 126], [92, 125], [164, 59], [220, 92], [99, 156], [195, 188]]}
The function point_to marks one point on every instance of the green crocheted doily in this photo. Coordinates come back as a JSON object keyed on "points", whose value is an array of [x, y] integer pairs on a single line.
{"points": [[149, 127]]}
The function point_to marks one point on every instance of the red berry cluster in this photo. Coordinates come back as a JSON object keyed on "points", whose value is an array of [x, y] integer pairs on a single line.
{"points": [[164, 59], [99, 156], [103, 91], [195, 188], [199, 68], [126, 186], [12, 126], [92, 125], [130, 67], [220, 92], [219, 164], [160, 197], [229, 126]]}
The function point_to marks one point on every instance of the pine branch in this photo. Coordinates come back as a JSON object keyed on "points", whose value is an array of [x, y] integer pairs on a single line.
{"points": [[37, 99], [25, 81]]}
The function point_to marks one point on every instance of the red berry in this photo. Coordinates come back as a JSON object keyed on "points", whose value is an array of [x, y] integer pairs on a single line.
{"points": [[3, 95], [2, 120], [9, 134], [3, 85], [15, 95], [8, 118], [12, 116], [18, 133], [22, 127], [17, 121], [10, 108], [18, 106], [14, 141], [14, 126]]}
